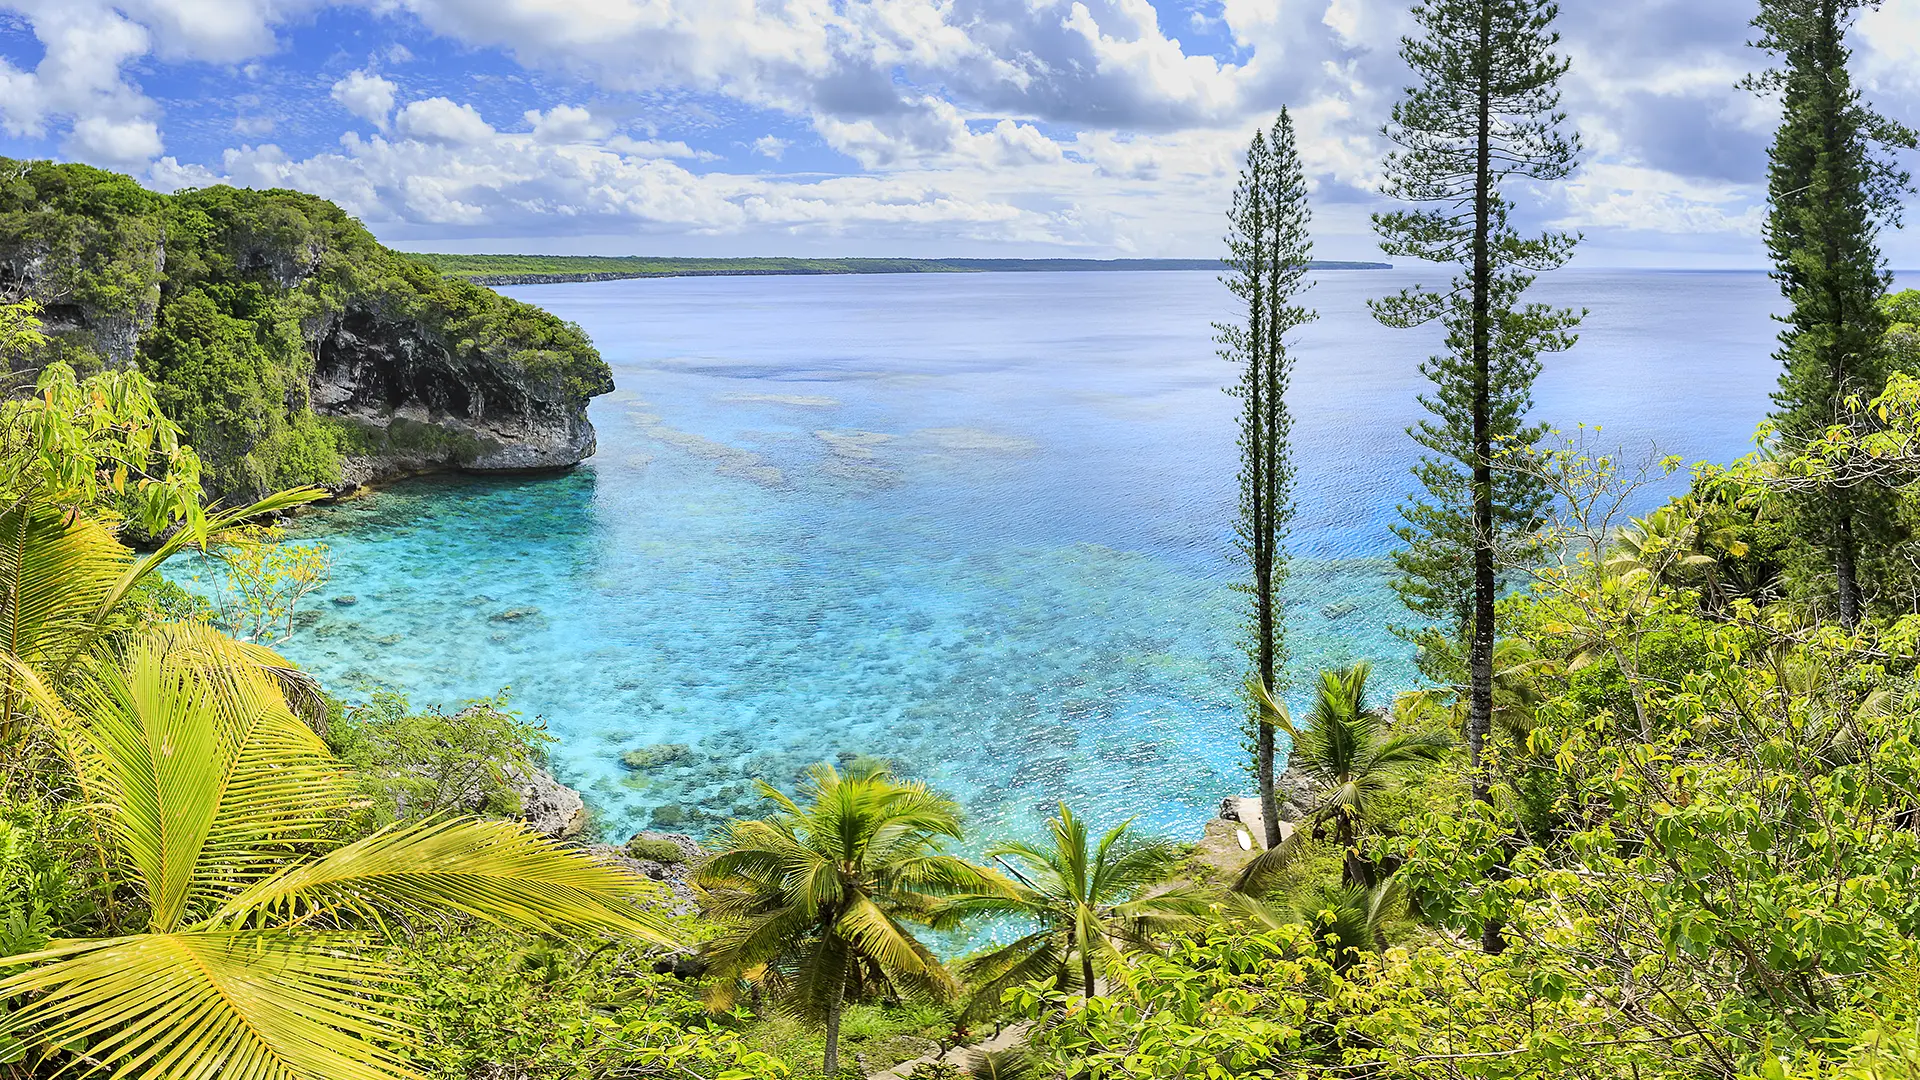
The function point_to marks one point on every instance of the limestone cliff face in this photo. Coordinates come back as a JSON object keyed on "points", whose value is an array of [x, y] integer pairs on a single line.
{"points": [[431, 405], [290, 346]]}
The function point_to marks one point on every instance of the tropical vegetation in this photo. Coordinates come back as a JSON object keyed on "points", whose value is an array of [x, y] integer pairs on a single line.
{"points": [[1683, 840], [818, 900]]}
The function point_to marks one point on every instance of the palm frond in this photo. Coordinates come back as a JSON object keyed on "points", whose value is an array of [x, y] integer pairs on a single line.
{"points": [[57, 573], [1270, 708], [202, 770], [240, 1005], [496, 871], [872, 933], [1257, 877], [1033, 958]]}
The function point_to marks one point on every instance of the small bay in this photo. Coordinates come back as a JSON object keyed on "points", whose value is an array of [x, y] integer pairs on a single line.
{"points": [[977, 523]]}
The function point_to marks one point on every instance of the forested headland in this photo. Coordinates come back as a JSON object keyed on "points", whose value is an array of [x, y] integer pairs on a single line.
{"points": [[289, 346], [537, 269]]}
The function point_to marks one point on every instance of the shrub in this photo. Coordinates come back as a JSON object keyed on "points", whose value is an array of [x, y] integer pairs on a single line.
{"points": [[414, 765], [654, 850]]}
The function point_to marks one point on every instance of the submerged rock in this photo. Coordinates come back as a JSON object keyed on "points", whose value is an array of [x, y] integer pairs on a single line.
{"points": [[1339, 609], [649, 757]]}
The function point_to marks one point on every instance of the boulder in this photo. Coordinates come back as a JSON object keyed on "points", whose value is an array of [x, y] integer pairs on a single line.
{"points": [[1295, 791]]}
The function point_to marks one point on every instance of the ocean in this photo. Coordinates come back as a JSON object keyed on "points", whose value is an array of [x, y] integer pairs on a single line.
{"points": [[977, 524]]}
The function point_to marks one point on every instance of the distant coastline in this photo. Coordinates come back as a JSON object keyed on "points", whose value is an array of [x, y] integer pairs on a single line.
{"points": [[557, 269]]}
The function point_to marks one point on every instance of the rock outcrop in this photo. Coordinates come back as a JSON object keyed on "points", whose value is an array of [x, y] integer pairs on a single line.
{"points": [[675, 877], [550, 807], [435, 407], [1295, 792]]}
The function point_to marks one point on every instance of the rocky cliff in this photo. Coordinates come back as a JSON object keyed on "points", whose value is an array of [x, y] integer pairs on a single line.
{"points": [[290, 345]]}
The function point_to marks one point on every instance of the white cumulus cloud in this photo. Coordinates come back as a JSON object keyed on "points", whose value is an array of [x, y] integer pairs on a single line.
{"points": [[367, 96], [438, 119]]}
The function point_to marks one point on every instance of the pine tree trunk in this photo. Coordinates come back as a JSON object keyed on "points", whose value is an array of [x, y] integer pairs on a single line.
{"points": [[1480, 652], [1267, 749], [1259, 447], [1845, 569], [1832, 150], [1485, 584]]}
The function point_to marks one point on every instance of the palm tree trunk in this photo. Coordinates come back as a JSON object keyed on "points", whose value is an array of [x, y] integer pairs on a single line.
{"points": [[1086, 972], [1353, 869], [831, 1065]]}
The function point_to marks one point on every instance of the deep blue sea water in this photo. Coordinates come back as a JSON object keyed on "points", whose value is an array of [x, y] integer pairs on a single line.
{"points": [[980, 524]]}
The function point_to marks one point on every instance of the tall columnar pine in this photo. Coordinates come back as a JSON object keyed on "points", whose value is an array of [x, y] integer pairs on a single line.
{"points": [[1268, 252], [1484, 113], [1830, 188]]}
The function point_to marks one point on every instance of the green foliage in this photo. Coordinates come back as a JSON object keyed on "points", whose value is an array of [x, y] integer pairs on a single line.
{"points": [[242, 933], [258, 579], [95, 236], [1227, 1005], [45, 882], [571, 1010], [99, 445], [1830, 188], [1084, 905], [1347, 749], [412, 766], [816, 899]]}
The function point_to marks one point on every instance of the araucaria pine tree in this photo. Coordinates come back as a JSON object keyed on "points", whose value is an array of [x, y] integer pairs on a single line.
{"points": [[1268, 253], [1830, 190], [1485, 112]]}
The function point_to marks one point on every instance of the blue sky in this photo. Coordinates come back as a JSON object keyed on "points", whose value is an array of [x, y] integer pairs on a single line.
{"points": [[1098, 128]]}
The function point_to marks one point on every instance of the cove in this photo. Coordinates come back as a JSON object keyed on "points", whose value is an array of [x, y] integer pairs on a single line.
{"points": [[979, 524]]}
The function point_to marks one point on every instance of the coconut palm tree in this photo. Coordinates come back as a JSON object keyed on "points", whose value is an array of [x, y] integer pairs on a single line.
{"points": [[1088, 902], [818, 897], [1347, 749], [241, 931]]}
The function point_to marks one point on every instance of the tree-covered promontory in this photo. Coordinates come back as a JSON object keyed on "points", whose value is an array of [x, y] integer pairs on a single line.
{"points": [[290, 346]]}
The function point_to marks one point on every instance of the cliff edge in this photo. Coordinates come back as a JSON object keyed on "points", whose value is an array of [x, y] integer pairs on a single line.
{"points": [[290, 345]]}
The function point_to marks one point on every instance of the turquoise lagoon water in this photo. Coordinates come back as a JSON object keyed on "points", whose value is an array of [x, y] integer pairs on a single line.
{"points": [[979, 524]]}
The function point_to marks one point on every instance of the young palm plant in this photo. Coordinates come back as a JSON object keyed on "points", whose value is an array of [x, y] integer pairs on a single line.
{"points": [[243, 938], [818, 897], [1089, 904], [1347, 749], [1349, 919]]}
